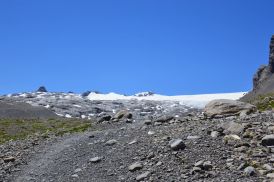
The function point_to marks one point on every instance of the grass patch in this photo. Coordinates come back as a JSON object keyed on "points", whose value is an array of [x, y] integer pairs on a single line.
{"points": [[264, 102], [17, 129]]}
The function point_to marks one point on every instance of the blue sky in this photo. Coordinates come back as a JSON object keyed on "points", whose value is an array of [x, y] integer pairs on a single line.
{"points": [[126, 46]]}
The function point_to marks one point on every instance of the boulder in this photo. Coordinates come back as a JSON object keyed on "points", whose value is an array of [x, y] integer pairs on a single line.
{"points": [[163, 119], [232, 127], [142, 176], [177, 144], [268, 140], [224, 107], [123, 114], [104, 118], [135, 166]]}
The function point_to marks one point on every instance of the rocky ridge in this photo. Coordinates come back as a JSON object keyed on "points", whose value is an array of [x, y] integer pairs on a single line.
{"points": [[263, 79]]}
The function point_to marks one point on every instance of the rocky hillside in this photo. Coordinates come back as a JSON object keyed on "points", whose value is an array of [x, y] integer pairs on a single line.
{"points": [[224, 144], [263, 80]]}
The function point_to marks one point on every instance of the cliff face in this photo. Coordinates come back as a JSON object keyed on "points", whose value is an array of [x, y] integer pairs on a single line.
{"points": [[263, 80], [271, 55]]}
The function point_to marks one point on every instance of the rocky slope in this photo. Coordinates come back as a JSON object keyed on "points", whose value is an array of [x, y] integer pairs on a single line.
{"points": [[263, 80], [187, 148]]}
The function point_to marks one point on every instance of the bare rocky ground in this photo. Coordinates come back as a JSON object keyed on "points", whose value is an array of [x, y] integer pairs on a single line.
{"points": [[188, 148]]}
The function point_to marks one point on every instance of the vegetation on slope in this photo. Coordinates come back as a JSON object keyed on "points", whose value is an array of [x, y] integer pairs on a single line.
{"points": [[16, 129], [264, 102]]}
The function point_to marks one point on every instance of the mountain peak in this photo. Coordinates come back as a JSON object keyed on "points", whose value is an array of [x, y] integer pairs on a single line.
{"points": [[42, 89]]}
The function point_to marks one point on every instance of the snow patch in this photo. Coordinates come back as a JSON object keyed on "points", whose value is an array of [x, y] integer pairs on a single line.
{"points": [[77, 106], [59, 114], [68, 116]]}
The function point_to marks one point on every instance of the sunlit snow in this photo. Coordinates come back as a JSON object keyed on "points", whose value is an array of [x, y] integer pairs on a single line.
{"points": [[198, 101]]}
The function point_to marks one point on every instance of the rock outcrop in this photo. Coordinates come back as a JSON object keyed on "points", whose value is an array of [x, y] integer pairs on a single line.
{"points": [[263, 80]]}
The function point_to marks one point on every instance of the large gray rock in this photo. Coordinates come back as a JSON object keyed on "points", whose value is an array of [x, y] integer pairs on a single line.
{"points": [[123, 114], [232, 127], [268, 140], [177, 144], [135, 166], [226, 107]]}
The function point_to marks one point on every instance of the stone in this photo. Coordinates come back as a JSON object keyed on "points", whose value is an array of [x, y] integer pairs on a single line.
{"points": [[270, 175], [132, 142], [77, 170], [242, 166], [142, 176], [225, 107], [75, 176], [249, 171], [204, 165], [199, 163], [196, 169], [9, 159], [268, 140], [193, 137], [267, 167], [163, 119], [151, 133], [242, 149], [232, 128], [148, 122], [231, 139], [215, 134], [95, 159], [123, 114], [262, 172], [207, 165], [104, 118], [150, 155], [129, 121], [111, 142], [135, 166], [159, 163], [177, 144]]}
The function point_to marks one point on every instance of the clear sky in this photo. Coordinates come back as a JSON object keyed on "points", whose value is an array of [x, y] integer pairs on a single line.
{"points": [[126, 46]]}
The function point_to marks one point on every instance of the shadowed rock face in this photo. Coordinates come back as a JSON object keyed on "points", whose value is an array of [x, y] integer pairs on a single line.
{"points": [[265, 72], [17, 110], [271, 55], [263, 80]]}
